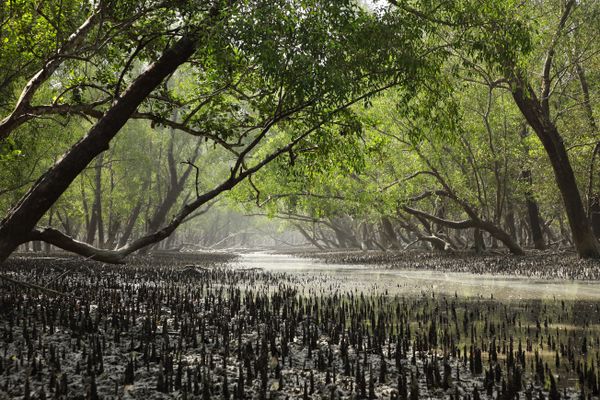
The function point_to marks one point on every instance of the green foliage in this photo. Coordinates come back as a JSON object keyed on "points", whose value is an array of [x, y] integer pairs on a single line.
{"points": [[8, 150], [310, 72]]}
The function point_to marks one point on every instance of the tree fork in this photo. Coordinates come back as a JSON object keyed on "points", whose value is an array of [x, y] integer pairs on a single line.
{"points": [[473, 222]]}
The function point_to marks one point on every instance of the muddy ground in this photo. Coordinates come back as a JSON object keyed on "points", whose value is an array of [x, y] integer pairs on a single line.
{"points": [[205, 326]]}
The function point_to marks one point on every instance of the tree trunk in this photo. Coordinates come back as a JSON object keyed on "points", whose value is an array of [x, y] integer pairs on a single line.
{"points": [[308, 237], [509, 220], [126, 234], [37, 246], [342, 226], [86, 208], [533, 213], [534, 224], [499, 234], [48, 246], [113, 231], [479, 243], [585, 242], [18, 225], [564, 233], [389, 237], [175, 187], [549, 233], [341, 238], [594, 211], [474, 222], [96, 217], [176, 184], [593, 191]]}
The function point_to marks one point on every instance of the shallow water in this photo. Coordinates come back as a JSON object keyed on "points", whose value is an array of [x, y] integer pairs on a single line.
{"points": [[369, 278]]}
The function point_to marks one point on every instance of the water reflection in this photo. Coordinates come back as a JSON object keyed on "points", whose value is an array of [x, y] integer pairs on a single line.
{"points": [[416, 282]]}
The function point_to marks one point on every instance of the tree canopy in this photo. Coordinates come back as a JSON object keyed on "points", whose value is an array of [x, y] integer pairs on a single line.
{"points": [[390, 125]]}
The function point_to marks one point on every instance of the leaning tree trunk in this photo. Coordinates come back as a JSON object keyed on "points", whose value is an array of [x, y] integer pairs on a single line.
{"points": [[593, 191], [583, 238], [473, 222], [175, 188], [20, 222], [308, 237], [501, 235]]}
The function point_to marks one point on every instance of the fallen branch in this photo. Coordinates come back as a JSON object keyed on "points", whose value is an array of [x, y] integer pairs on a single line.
{"points": [[32, 286]]}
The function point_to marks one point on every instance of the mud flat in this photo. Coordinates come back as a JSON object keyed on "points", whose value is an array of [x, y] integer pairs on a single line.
{"points": [[276, 327]]}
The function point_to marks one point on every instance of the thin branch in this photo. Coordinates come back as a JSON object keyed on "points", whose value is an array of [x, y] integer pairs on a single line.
{"points": [[23, 103], [195, 167], [546, 83], [32, 286]]}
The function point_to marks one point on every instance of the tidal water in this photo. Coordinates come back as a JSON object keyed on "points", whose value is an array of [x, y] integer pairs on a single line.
{"points": [[373, 278]]}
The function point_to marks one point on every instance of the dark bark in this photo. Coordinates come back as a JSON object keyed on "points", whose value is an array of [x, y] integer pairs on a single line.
{"points": [[17, 226], [176, 186], [564, 233], [340, 238], [593, 190], [549, 233], [500, 234], [594, 211], [60, 240], [479, 243], [389, 237], [96, 222], [114, 222], [308, 237], [66, 223], [435, 241], [583, 237], [533, 213], [36, 246], [536, 111], [343, 232], [472, 222]]}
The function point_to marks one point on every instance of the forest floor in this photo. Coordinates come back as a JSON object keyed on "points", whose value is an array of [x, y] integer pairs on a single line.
{"points": [[208, 326]]}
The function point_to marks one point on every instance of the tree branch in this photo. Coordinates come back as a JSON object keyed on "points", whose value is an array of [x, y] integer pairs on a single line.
{"points": [[465, 224], [14, 119], [546, 80]]}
